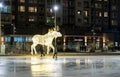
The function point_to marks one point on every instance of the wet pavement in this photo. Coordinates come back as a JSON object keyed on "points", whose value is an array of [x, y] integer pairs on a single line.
{"points": [[63, 66]]}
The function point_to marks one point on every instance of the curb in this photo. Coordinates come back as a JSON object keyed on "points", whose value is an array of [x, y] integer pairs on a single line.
{"points": [[66, 54]]}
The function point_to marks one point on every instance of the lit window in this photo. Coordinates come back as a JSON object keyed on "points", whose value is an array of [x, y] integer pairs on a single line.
{"points": [[79, 12], [114, 22], [116, 43], [51, 10], [22, 8], [100, 14], [86, 13], [31, 18], [22, 1], [105, 14], [32, 9], [6, 9]]}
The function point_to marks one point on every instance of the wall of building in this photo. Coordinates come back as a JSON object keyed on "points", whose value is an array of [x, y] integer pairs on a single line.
{"points": [[74, 17]]}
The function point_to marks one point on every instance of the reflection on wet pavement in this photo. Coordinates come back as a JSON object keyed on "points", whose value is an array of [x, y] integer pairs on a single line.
{"points": [[64, 66]]}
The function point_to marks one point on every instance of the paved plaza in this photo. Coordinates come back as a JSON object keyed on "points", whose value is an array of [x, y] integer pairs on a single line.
{"points": [[63, 66]]}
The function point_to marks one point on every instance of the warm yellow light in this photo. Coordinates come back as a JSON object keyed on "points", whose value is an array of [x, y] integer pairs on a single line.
{"points": [[103, 39], [45, 67], [2, 39], [85, 40], [45, 40]]}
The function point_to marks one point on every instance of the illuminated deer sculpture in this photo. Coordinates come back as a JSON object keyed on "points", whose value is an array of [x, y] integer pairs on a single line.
{"points": [[45, 40]]}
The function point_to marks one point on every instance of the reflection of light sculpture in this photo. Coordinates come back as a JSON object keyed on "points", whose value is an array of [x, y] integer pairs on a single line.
{"points": [[45, 67], [44, 40]]}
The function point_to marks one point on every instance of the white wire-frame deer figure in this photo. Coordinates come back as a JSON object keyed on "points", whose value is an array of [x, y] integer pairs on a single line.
{"points": [[45, 40]]}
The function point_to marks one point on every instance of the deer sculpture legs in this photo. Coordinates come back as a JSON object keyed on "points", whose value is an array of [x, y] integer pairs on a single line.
{"points": [[33, 49], [48, 49]]}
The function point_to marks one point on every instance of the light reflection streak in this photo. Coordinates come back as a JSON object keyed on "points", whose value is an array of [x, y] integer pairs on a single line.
{"points": [[48, 67], [3, 66], [45, 68]]}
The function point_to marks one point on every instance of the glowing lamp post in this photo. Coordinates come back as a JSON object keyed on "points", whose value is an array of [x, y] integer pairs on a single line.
{"points": [[55, 10], [1, 5], [2, 48], [55, 25]]}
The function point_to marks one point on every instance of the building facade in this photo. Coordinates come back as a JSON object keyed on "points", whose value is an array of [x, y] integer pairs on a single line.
{"points": [[74, 17], [6, 15], [33, 16], [105, 19]]}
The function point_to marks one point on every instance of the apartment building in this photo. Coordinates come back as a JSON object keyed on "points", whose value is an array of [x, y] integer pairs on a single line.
{"points": [[5, 15], [74, 17], [105, 19]]}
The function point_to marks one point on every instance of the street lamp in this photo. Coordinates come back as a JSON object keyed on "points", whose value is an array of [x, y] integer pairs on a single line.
{"points": [[55, 8], [2, 46], [1, 5]]}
